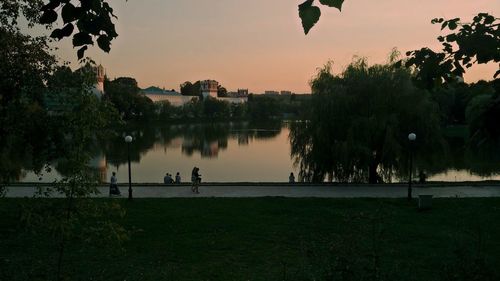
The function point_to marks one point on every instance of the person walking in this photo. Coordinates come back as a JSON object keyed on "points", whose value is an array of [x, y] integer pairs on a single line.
{"points": [[291, 178], [177, 178], [195, 179], [113, 186]]}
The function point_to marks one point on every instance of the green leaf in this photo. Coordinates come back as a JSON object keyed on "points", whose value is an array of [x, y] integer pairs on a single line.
{"points": [[48, 17], [82, 38], [437, 20], [68, 13], [81, 52], [451, 37], [67, 30], [309, 15], [488, 19], [57, 34], [452, 25], [53, 4], [333, 3], [104, 43]]}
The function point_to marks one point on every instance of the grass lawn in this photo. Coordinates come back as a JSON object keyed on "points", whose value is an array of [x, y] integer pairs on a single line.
{"points": [[274, 239]]}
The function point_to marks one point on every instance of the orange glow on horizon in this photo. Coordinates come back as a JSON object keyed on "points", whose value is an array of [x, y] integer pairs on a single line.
{"points": [[260, 44]]}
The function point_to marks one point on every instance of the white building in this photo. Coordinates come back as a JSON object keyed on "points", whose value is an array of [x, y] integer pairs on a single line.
{"points": [[98, 88], [157, 94]]}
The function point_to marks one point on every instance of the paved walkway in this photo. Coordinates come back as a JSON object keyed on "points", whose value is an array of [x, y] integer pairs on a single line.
{"points": [[322, 191]]}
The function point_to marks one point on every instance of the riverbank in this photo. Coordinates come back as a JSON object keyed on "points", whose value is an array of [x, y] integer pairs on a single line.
{"points": [[274, 239], [236, 190]]}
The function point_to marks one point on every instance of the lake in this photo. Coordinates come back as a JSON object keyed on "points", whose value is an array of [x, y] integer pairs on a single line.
{"points": [[227, 152]]}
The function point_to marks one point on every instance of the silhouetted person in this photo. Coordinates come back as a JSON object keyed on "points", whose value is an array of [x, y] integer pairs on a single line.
{"points": [[177, 178], [168, 179], [195, 179], [291, 178], [422, 177], [113, 185]]}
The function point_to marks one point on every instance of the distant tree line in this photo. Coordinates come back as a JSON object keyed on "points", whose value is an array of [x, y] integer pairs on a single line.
{"points": [[124, 94]]}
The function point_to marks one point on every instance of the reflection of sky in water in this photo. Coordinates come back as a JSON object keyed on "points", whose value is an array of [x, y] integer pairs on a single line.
{"points": [[461, 175], [240, 159]]}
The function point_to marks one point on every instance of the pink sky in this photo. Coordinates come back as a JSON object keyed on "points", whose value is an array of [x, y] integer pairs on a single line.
{"points": [[260, 44]]}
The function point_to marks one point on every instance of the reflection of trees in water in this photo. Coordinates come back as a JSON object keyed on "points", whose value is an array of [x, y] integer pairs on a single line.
{"points": [[210, 139], [116, 148], [482, 160], [455, 154], [206, 139]]}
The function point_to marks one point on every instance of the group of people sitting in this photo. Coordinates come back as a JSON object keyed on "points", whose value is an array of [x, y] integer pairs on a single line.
{"points": [[168, 179]]}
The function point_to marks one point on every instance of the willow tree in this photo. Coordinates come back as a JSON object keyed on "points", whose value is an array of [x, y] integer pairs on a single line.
{"points": [[360, 122]]}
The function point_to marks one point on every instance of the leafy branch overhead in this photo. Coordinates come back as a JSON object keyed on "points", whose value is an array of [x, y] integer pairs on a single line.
{"points": [[88, 21], [468, 44], [310, 14]]}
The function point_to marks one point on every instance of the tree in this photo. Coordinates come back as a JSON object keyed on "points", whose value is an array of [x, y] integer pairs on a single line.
{"points": [[123, 92], [165, 110], [262, 107], [221, 91], [468, 44], [75, 219], [29, 75], [93, 19], [360, 122], [216, 109], [186, 88], [26, 66], [190, 89], [483, 113]]}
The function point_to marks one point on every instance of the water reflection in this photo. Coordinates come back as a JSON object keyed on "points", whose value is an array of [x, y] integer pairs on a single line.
{"points": [[255, 152], [455, 159], [479, 161], [187, 145], [206, 140]]}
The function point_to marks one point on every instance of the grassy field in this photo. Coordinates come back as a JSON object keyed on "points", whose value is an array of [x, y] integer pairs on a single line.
{"points": [[274, 239]]}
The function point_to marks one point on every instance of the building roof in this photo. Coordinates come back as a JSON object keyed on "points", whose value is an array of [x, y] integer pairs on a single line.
{"points": [[153, 90]]}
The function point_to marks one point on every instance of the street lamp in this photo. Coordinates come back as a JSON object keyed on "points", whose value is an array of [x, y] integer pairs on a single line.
{"points": [[128, 140], [411, 137]]}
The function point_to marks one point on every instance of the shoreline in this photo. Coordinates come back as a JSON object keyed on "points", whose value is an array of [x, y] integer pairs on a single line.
{"points": [[283, 190], [397, 184]]}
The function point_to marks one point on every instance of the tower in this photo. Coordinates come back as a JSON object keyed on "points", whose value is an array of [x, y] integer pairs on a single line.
{"points": [[98, 89], [209, 88]]}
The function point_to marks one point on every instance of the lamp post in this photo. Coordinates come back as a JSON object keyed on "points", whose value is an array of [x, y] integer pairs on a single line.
{"points": [[411, 137], [128, 140]]}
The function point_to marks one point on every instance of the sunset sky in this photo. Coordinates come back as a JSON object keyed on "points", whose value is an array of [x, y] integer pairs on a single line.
{"points": [[260, 44]]}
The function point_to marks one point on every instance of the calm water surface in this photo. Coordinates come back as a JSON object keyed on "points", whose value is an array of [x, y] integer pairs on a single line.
{"points": [[224, 152], [227, 152]]}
